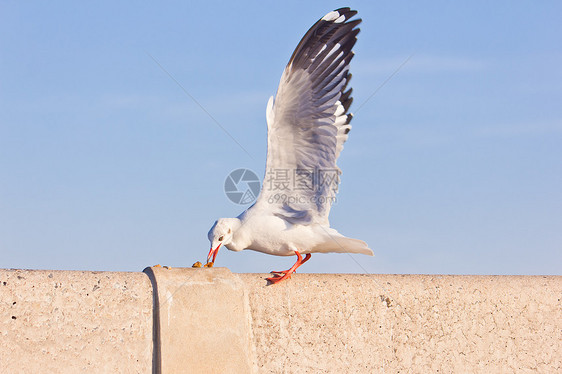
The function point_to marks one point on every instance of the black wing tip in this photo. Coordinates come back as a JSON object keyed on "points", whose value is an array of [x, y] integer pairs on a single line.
{"points": [[335, 15], [340, 16], [338, 19], [346, 99]]}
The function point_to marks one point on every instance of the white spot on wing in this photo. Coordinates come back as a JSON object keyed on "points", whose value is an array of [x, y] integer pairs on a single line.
{"points": [[340, 19], [332, 16], [340, 109], [340, 120], [334, 49]]}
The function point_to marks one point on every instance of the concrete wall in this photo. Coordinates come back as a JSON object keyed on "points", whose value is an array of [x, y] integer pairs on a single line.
{"points": [[407, 323], [212, 321], [75, 322]]}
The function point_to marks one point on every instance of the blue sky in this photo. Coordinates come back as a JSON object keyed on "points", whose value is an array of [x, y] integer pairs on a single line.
{"points": [[454, 166]]}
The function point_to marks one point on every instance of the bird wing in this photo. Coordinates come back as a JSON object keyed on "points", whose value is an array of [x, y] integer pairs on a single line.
{"points": [[308, 122]]}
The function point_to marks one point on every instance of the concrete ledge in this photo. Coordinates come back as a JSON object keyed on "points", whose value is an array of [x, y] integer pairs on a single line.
{"points": [[203, 321], [209, 320], [407, 323], [75, 322]]}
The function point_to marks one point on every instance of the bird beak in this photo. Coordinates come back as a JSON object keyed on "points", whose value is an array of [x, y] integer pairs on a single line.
{"points": [[213, 253]]}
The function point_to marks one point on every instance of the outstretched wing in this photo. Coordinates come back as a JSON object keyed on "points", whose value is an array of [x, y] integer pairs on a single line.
{"points": [[308, 122]]}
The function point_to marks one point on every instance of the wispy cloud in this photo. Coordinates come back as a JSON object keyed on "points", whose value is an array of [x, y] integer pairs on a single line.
{"points": [[434, 135], [240, 102], [420, 63], [519, 129], [168, 106], [128, 100]]}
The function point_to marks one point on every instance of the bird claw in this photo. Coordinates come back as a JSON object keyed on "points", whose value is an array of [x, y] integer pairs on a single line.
{"points": [[282, 275], [280, 272], [278, 278]]}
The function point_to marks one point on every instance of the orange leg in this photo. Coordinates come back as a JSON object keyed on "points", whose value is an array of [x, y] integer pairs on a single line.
{"points": [[306, 258], [287, 273]]}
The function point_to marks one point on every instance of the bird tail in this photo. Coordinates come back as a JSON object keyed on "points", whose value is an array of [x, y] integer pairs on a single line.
{"points": [[342, 244]]}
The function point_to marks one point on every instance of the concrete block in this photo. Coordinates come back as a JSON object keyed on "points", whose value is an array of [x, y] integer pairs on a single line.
{"points": [[203, 321], [75, 322], [350, 323], [213, 321]]}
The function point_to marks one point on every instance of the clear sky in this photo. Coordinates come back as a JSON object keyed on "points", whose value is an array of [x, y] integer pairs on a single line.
{"points": [[453, 166]]}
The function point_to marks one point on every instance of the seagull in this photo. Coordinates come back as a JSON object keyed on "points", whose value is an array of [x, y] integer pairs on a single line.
{"points": [[307, 125]]}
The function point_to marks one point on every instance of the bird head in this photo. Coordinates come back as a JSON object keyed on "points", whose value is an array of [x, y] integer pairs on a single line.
{"points": [[221, 233]]}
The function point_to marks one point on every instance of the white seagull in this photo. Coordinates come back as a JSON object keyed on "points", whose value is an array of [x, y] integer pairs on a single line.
{"points": [[307, 124]]}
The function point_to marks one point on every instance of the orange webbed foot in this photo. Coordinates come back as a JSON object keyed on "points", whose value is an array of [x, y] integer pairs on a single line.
{"points": [[282, 275]]}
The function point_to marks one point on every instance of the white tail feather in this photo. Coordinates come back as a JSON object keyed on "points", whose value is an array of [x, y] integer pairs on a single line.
{"points": [[342, 244]]}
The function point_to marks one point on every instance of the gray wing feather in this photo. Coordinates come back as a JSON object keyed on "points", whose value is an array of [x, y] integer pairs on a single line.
{"points": [[308, 121]]}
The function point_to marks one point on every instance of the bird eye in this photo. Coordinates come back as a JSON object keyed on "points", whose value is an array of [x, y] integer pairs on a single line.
{"points": [[221, 238]]}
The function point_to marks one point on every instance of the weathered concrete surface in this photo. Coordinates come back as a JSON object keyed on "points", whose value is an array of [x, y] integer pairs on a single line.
{"points": [[407, 323], [203, 321], [75, 322], [212, 321]]}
